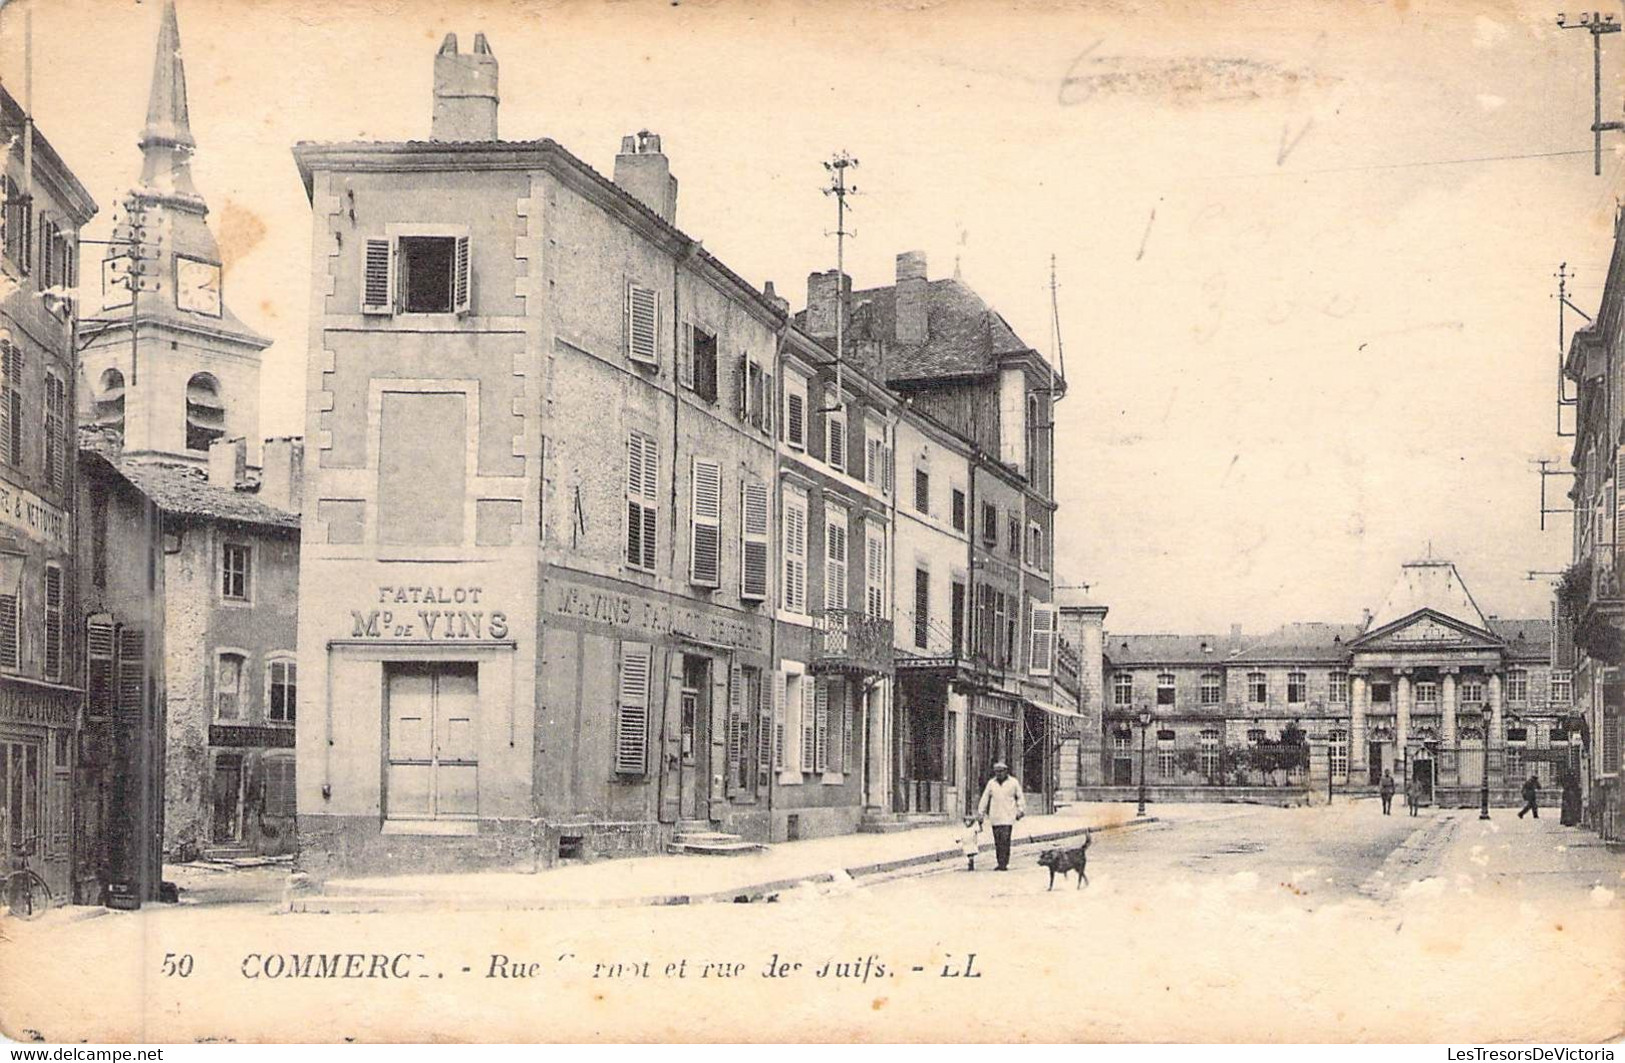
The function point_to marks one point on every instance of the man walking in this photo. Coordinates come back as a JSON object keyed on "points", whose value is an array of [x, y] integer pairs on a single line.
{"points": [[1531, 797], [1386, 790], [1002, 804]]}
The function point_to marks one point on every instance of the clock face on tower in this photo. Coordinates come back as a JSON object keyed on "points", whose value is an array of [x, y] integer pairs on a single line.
{"points": [[197, 286]]}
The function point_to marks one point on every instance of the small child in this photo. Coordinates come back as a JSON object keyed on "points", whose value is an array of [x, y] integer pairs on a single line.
{"points": [[970, 841]]}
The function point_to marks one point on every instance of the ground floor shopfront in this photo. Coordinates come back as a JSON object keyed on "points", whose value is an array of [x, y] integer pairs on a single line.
{"points": [[38, 744]]}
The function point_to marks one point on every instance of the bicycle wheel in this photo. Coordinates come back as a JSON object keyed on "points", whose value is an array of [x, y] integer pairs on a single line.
{"points": [[27, 895]]}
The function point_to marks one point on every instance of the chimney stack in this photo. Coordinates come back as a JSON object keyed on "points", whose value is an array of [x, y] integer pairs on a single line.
{"points": [[228, 463], [911, 297], [775, 298], [465, 92], [824, 301], [282, 473], [642, 169]]}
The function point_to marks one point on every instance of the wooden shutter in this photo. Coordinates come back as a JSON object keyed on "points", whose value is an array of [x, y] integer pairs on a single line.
{"points": [[875, 572], [132, 673], [1042, 659], [809, 731], [835, 560], [462, 290], [705, 538], [642, 481], [1619, 499], [685, 355], [632, 715], [642, 324], [736, 722], [99, 657], [849, 730], [10, 408], [820, 723], [10, 630], [776, 707], [53, 622], [378, 277], [753, 546], [743, 386], [922, 607], [56, 434], [795, 418], [769, 400], [835, 454], [795, 553]]}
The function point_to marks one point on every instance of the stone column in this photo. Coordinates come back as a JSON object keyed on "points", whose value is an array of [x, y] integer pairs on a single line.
{"points": [[1447, 708], [1358, 695], [1402, 712]]}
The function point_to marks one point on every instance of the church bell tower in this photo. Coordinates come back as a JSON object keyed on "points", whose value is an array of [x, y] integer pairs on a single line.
{"points": [[165, 363]]}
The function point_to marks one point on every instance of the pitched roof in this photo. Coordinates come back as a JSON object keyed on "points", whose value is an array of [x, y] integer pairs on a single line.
{"points": [[186, 491], [1524, 638], [1303, 641], [1129, 650], [1432, 585], [964, 336]]}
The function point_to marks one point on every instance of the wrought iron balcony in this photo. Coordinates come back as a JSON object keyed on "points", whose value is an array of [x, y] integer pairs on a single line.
{"points": [[850, 640]]}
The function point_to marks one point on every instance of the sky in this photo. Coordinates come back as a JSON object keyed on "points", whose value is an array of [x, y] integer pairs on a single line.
{"points": [[1304, 251]]}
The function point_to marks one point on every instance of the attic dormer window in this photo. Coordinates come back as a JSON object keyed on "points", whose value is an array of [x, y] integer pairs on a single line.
{"points": [[205, 412]]}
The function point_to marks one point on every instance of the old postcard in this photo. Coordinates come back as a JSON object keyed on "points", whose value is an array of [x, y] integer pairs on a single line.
{"points": [[722, 521]]}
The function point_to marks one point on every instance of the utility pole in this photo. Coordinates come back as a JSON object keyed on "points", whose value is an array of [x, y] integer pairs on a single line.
{"points": [[836, 167], [1563, 307], [1544, 472], [1597, 24]]}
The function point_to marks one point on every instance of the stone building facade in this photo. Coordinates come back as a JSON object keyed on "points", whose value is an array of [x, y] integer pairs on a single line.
{"points": [[44, 207], [1428, 689]]}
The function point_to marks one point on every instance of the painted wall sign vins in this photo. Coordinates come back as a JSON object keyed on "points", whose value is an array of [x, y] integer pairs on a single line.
{"points": [[418, 613], [24, 511], [652, 616]]}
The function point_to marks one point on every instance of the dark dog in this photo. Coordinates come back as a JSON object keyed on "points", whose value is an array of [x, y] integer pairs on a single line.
{"points": [[1060, 861]]}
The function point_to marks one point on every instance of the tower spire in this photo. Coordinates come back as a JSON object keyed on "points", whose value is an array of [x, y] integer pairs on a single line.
{"points": [[166, 140]]}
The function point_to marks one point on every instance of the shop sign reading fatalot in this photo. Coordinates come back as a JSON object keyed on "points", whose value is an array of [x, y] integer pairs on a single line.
{"points": [[653, 617], [24, 511], [429, 614]]}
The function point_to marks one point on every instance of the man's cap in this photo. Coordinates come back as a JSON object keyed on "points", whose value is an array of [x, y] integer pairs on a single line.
{"points": [[997, 764]]}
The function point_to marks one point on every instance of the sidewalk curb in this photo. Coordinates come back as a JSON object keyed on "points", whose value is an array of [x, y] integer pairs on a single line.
{"points": [[357, 903]]}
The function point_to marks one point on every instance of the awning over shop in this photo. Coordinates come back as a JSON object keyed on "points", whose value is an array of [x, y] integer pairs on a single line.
{"points": [[1054, 709]]}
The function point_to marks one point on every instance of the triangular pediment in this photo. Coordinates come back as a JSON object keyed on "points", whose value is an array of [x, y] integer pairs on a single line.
{"points": [[1426, 629]]}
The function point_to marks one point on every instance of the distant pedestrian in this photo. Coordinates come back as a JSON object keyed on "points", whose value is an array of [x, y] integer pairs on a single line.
{"points": [[1386, 790], [1002, 804], [1413, 796], [970, 841], [1531, 798]]}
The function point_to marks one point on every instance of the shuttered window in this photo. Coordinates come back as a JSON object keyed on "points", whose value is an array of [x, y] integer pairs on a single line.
{"points": [[744, 721], [56, 433], [849, 730], [280, 790], [99, 657], [53, 622], [11, 624], [705, 524], [773, 732], [835, 432], [922, 491], [642, 324], [632, 709], [795, 412], [462, 287], [11, 403], [1042, 659], [795, 551], [642, 501], [877, 461], [131, 695], [378, 277], [922, 608], [874, 584], [753, 545], [736, 725], [834, 557], [809, 723], [820, 761]]}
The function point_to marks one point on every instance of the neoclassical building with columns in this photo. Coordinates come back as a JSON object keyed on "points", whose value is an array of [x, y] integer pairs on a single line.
{"points": [[1427, 687]]}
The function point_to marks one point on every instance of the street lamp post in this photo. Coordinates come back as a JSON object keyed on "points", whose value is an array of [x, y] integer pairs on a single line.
{"points": [[1145, 725], [1484, 779]]}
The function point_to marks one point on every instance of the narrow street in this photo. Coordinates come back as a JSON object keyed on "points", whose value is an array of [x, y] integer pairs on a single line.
{"points": [[1337, 924]]}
